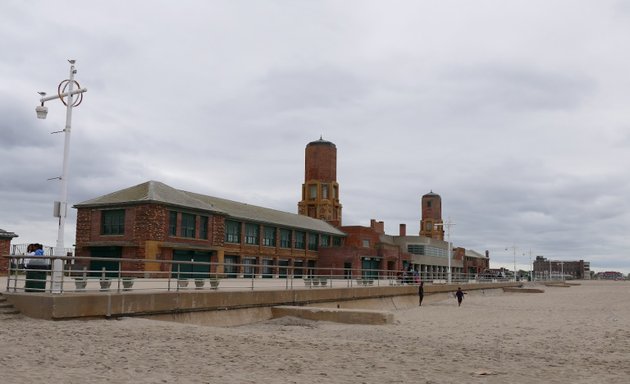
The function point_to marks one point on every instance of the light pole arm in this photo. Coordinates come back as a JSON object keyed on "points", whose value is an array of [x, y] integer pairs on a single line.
{"points": [[75, 92]]}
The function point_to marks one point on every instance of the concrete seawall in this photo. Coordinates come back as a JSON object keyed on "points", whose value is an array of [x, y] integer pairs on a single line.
{"points": [[208, 305]]}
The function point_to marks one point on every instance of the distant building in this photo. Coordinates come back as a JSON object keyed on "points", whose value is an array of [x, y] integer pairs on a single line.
{"points": [[610, 275], [545, 269]]}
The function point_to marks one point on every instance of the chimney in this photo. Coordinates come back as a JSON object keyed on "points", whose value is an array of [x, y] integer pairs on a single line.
{"points": [[403, 229]]}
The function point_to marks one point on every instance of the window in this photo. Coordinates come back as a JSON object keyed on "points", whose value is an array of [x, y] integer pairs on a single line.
{"points": [[312, 241], [312, 192], [299, 240], [232, 231], [324, 240], [251, 234], [113, 222], [366, 243], [188, 225], [285, 238], [324, 191], [429, 204], [203, 227], [269, 236], [336, 241], [172, 223], [428, 226], [416, 249]]}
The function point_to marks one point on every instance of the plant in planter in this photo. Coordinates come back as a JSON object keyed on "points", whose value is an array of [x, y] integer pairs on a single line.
{"points": [[307, 281], [323, 281], [214, 283], [127, 283], [199, 283], [105, 282], [182, 283], [80, 283]]}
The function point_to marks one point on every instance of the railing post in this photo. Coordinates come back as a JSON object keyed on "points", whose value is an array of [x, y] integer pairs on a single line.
{"points": [[119, 276], [177, 289]]}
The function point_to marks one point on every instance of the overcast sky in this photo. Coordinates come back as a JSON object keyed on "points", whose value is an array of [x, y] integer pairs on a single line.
{"points": [[516, 112]]}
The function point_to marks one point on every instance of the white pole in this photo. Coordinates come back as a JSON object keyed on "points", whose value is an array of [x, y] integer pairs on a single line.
{"points": [[60, 249], [62, 208], [450, 249], [514, 262]]}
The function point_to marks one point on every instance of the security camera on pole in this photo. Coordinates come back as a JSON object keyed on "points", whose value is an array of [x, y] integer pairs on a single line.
{"points": [[65, 93]]}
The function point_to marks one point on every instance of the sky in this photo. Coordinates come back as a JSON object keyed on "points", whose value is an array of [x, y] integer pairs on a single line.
{"points": [[517, 113]]}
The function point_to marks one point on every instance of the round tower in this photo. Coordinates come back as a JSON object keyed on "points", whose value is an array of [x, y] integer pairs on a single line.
{"points": [[320, 191], [431, 224]]}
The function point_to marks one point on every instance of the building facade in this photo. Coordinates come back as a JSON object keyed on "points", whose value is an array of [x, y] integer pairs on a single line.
{"points": [[545, 269], [153, 221]]}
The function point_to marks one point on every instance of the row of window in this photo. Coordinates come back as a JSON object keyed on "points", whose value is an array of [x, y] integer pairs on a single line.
{"points": [[312, 191], [426, 250], [113, 223], [188, 225], [286, 238]]}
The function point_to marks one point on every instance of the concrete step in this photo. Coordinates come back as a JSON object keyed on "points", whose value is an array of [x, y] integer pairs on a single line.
{"points": [[5, 304], [9, 311]]}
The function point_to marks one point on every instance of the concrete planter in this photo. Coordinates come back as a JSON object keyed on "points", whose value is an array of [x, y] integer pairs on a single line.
{"points": [[127, 283], [199, 283], [105, 284], [80, 283], [214, 283]]}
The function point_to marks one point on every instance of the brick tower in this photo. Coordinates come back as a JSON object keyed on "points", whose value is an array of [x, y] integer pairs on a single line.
{"points": [[320, 191], [431, 224]]}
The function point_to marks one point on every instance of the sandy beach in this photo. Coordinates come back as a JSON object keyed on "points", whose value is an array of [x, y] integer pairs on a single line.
{"points": [[579, 334]]}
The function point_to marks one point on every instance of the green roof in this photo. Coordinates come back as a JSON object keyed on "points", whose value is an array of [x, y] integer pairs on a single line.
{"points": [[157, 192]]}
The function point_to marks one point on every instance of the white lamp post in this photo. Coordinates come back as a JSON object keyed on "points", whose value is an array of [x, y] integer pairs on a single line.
{"points": [[65, 93], [448, 226], [514, 251]]}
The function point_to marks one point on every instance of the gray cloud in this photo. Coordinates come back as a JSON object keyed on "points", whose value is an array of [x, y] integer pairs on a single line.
{"points": [[523, 131]]}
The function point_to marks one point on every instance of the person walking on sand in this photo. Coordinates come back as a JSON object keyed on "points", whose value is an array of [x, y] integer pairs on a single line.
{"points": [[420, 293], [460, 296]]}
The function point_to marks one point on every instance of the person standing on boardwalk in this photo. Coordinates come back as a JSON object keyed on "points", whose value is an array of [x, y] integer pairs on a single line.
{"points": [[460, 296], [420, 293]]}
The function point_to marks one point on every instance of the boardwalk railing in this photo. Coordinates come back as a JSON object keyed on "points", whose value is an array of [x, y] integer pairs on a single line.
{"points": [[91, 274]]}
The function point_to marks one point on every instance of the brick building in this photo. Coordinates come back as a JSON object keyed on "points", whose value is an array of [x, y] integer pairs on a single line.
{"points": [[154, 221], [545, 268], [5, 249]]}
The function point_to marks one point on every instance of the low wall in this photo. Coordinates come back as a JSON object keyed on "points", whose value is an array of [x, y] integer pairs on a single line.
{"points": [[347, 316], [158, 303]]}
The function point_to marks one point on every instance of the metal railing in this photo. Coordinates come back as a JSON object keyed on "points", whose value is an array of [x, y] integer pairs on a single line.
{"points": [[123, 274]]}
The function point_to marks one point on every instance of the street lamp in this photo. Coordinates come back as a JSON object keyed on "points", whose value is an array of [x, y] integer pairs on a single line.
{"points": [[514, 250], [448, 226], [65, 93]]}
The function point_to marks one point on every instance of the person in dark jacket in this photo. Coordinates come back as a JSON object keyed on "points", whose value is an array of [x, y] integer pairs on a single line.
{"points": [[460, 296], [420, 293]]}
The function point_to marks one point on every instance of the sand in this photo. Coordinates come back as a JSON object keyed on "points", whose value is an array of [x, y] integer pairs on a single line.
{"points": [[579, 334]]}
